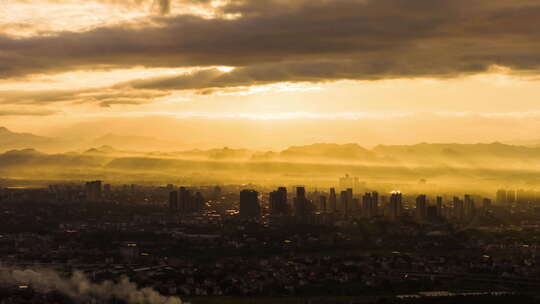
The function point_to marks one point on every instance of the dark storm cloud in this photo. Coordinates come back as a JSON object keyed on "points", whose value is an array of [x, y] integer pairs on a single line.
{"points": [[309, 71], [317, 40]]}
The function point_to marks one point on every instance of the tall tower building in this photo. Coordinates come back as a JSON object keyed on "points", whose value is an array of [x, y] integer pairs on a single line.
{"points": [[367, 205], [249, 204], [395, 206], [199, 203], [510, 197], [374, 203], [469, 206], [302, 205], [173, 200], [278, 202], [332, 200], [486, 204], [216, 194], [350, 204], [439, 205], [322, 204], [344, 201], [501, 197], [93, 191], [184, 200], [421, 208], [458, 208], [107, 190]]}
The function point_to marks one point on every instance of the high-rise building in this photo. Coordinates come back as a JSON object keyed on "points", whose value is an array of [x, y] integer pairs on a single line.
{"points": [[439, 205], [469, 206], [486, 204], [302, 205], [199, 203], [249, 204], [300, 192], [93, 191], [421, 208], [322, 203], [216, 194], [185, 200], [173, 200], [510, 197], [374, 203], [332, 200], [501, 197], [395, 206], [367, 205], [458, 209], [431, 213], [107, 190], [344, 201], [278, 201], [524, 198]]}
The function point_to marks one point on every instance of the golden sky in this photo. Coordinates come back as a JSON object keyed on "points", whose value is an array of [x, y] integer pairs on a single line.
{"points": [[270, 73]]}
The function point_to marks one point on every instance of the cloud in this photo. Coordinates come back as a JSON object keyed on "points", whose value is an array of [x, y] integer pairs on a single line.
{"points": [[303, 71], [105, 97], [318, 40], [122, 101], [27, 112]]}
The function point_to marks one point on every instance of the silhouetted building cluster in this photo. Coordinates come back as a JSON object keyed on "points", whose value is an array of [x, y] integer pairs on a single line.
{"points": [[370, 204], [93, 191], [184, 201]]}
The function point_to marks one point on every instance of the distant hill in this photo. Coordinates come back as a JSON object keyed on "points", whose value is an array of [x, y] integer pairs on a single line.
{"points": [[135, 143], [347, 152], [484, 155], [494, 154], [534, 143], [32, 159], [217, 154], [10, 140]]}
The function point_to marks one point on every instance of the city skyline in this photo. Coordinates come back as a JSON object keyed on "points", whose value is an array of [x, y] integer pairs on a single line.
{"points": [[269, 151]]}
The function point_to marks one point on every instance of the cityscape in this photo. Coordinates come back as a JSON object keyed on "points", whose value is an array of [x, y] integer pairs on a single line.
{"points": [[269, 151], [213, 244]]}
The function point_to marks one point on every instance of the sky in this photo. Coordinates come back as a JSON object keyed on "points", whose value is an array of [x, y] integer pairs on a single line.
{"points": [[273, 73]]}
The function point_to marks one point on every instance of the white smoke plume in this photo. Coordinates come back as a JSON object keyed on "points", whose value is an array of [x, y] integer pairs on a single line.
{"points": [[80, 288]]}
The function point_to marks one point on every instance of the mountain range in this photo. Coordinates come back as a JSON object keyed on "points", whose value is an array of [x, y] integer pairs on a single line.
{"points": [[10, 140], [135, 158], [423, 154]]}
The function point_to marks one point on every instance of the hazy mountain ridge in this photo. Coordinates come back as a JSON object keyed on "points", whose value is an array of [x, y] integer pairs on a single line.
{"points": [[135, 143], [12, 140], [461, 154], [420, 155], [30, 163], [31, 158], [112, 146]]}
